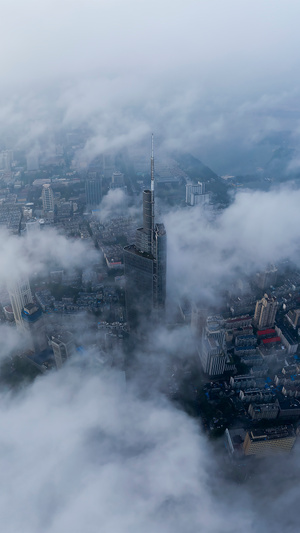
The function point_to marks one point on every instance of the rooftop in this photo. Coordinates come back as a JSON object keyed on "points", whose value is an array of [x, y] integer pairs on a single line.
{"points": [[272, 340], [280, 432], [131, 248], [266, 332]]}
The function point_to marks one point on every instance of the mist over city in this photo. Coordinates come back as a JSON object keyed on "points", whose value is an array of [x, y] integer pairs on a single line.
{"points": [[150, 266]]}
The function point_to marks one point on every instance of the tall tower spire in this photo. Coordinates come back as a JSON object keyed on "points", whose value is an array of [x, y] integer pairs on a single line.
{"points": [[152, 165]]}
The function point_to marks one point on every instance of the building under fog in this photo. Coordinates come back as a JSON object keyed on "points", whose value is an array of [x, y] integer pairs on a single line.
{"points": [[48, 198], [20, 295], [93, 191], [33, 322], [32, 225], [212, 348], [145, 263], [264, 280], [63, 347]]}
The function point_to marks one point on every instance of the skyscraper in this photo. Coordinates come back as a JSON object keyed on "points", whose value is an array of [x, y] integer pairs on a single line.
{"points": [[93, 191], [63, 346], [20, 295], [265, 312], [48, 198], [33, 322], [145, 262], [212, 350]]}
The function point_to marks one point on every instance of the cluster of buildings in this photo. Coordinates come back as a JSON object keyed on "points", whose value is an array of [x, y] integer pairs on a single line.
{"points": [[31, 323], [39, 314], [253, 363], [250, 359]]}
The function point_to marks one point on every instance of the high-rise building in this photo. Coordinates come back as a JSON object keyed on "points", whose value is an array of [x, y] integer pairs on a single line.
{"points": [[117, 180], [6, 159], [212, 356], [198, 320], [33, 322], [293, 317], [47, 197], [191, 188], [108, 165], [93, 191], [268, 277], [32, 226], [145, 262], [195, 194], [212, 348], [63, 346], [32, 161], [20, 295], [265, 312]]}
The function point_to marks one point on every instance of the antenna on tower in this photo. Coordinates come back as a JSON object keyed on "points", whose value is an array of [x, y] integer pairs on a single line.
{"points": [[152, 165]]}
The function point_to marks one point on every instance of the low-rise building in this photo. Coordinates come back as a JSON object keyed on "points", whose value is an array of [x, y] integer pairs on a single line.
{"points": [[269, 441], [263, 411], [288, 337]]}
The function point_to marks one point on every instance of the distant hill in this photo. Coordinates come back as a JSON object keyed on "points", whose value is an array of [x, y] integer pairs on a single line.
{"points": [[197, 171], [194, 167], [279, 165]]}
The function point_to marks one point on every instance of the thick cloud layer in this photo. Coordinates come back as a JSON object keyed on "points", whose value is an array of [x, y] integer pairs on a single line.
{"points": [[79, 453], [40, 251], [257, 228]]}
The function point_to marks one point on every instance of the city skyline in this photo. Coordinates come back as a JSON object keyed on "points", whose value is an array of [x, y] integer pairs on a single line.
{"points": [[149, 313]]}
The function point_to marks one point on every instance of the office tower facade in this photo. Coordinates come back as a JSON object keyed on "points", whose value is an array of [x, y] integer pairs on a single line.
{"points": [[33, 322], [212, 357], [20, 295], [265, 312], [145, 262], [48, 198], [212, 350], [63, 347], [117, 180], [93, 191]]}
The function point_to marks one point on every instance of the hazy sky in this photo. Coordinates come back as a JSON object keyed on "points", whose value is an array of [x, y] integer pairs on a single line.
{"points": [[212, 77]]}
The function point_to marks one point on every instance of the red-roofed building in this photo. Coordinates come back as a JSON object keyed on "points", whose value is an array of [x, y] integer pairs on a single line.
{"points": [[239, 321], [273, 339], [266, 333]]}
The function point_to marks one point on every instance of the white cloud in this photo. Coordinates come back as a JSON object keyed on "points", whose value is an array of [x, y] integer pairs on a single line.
{"points": [[258, 227]]}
